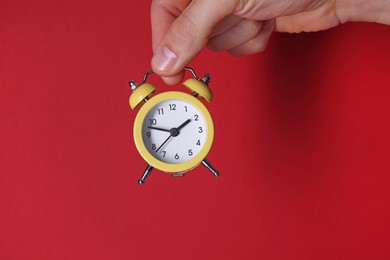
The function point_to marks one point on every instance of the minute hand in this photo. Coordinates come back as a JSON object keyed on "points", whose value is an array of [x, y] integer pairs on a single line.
{"points": [[158, 128]]}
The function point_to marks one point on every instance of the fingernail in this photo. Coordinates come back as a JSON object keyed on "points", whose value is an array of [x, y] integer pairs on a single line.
{"points": [[164, 59]]}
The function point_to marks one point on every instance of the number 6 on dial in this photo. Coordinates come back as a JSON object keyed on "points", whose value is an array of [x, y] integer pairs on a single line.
{"points": [[173, 131]]}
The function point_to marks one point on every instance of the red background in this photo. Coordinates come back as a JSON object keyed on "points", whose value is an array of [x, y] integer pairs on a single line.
{"points": [[301, 143]]}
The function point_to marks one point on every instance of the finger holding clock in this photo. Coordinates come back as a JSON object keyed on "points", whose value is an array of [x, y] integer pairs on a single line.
{"points": [[180, 30]]}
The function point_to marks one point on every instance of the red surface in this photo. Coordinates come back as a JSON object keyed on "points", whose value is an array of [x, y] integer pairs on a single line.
{"points": [[302, 144]]}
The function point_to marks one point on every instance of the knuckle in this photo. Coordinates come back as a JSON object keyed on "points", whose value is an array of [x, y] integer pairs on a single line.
{"points": [[167, 5], [157, 4], [257, 46], [247, 28], [160, 2], [253, 27], [251, 47]]}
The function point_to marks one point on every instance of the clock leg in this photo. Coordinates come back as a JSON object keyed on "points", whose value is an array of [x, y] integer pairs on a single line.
{"points": [[208, 165], [145, 174]]}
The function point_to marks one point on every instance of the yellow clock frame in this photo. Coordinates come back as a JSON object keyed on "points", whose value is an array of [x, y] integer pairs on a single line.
{"points": [[149, 158]]}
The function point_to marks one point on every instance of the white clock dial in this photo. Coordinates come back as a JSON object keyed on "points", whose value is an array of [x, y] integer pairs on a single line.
{"points": [[174, 131]]}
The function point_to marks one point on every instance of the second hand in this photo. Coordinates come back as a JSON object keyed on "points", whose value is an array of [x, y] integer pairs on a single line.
{"points": [[166, 140]]}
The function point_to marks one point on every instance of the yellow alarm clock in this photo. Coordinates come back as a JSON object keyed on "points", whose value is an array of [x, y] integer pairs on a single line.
{"points": [[173, 131]]}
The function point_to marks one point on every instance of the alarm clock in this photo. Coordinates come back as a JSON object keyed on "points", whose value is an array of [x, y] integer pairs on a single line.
{"points": [[173, 131]]}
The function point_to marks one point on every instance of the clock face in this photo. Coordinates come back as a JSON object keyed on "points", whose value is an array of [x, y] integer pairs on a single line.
{"points": [[174, 131]]}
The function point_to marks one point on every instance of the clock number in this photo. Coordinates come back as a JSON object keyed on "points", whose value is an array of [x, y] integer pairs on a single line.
{"points": [[185, 108], [160, 111], [172, 106], [200, 129], [190, 153], [153, 146], [148, 134], [198, 142], [177, 157], [153, 121], [196, 117], [164, 153]]}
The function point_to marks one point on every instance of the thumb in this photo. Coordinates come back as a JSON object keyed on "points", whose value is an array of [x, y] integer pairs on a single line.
{"points": [[187, 35]]}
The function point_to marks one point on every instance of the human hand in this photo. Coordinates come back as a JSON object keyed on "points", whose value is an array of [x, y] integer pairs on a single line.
{"points": [[181, 28]]}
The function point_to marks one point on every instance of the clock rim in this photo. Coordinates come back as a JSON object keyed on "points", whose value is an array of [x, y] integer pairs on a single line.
{"points": [[149, 158]]}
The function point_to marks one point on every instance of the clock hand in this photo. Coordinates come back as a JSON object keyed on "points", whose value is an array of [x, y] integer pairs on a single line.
{"points": [[158, 128], [174, 132], [184, 124], [166, 140]]}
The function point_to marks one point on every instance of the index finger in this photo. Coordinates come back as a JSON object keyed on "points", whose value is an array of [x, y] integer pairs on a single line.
{"points": [[185, 36], [163, 13]]}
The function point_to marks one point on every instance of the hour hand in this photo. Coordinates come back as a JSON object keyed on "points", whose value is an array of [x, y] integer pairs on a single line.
{"points": [[184, 124], [159, 129]]}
